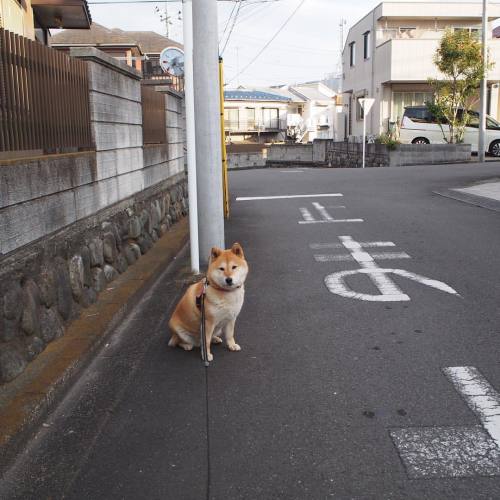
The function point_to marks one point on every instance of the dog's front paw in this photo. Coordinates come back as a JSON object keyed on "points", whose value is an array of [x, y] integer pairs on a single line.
{"points": [[216, 340], [210, 356], [234, 347]]}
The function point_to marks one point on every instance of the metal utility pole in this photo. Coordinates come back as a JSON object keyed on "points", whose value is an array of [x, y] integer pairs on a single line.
{"points": [[484, 88], [208, 134], [187, 17]]}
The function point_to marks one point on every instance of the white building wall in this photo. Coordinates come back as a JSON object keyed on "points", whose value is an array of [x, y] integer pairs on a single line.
{"points": [[404, 58]]}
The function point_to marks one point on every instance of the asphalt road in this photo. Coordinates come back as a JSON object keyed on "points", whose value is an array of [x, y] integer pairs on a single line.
{"points": [[336, 394]]}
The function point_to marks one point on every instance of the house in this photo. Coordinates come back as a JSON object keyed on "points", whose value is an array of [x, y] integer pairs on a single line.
{"points": [[139, 49], [301, 112], [255, 115], [34, 18], [151, 45], [114, 42], [318, 117], [388, 55]]}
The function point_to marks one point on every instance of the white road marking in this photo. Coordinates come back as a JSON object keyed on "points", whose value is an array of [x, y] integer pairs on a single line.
{"points": [[322, 211], [329, 221], [363, 244], [291, 171], [287, 197], [326, 218], [389, 291], [306, 214], [479, 395], [349, 257], [461, 451]]}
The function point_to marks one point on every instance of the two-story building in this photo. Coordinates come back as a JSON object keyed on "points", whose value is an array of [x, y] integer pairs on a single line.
{"points": [[299, 113], [139, 49], [256, 115], [388, 55]]}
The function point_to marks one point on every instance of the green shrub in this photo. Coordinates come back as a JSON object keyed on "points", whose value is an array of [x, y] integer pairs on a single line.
{"points": [[389, 140]]}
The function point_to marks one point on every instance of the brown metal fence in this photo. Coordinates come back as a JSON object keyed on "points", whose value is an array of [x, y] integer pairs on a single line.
{"points": [[154, 126], [44, 98]]}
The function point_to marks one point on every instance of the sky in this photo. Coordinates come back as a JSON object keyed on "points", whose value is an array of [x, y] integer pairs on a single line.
{"points": [[308, 48]]}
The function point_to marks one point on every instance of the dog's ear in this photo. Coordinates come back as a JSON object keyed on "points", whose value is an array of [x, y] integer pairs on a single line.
{"points": [[214, 253], [238, 250]]}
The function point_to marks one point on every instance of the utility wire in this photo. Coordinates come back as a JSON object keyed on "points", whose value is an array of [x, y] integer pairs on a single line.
{"points": [[232, 28], [229, 20], [289, 18]]}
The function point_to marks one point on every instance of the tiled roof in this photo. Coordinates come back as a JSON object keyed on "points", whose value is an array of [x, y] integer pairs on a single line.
{"points": [[148, 41], [253, 95], [151, 42]]}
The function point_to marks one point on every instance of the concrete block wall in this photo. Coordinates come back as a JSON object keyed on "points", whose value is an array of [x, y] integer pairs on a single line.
{"points": [[69, 224], [290, 153], [116, 120], [237, 161]]}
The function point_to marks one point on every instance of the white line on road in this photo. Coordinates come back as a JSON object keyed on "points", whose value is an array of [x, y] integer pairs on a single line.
{"points": [[322, 211], [306, 214], [329, 221], [291, 171], [363, 244], [480, 396], [286, 197], [349, 257]]}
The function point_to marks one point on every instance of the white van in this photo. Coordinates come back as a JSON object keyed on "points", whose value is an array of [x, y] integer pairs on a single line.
{"points": [[420, 126]]}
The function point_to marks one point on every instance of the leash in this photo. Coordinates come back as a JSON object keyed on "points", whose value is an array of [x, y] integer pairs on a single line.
{"points": [[203, 343]]}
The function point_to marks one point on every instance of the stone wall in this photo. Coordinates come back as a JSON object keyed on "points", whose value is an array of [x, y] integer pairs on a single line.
{"points": [[350, 155], [46, 284], [70, 224]]}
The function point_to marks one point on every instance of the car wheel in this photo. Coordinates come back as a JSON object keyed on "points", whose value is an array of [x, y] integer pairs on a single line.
{"points": [[420, 140], [495, 148]]}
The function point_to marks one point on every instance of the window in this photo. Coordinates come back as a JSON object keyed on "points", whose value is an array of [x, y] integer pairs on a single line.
{"points": [[270, 119], [475, 32], [360, 113], [419, 115], [366, 45], [352, 54], [231, 119], [402, 99], [251, 125]]}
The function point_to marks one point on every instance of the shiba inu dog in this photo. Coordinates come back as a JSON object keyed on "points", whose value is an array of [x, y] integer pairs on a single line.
{"points": [[226, 275]]}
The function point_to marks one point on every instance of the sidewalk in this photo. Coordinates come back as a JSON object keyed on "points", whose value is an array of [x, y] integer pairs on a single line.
{"points": [[484, 194], [28, 398]]}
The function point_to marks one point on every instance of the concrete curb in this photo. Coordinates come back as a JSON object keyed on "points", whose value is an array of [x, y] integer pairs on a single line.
{"points": [[471, 199], [25, 401]]}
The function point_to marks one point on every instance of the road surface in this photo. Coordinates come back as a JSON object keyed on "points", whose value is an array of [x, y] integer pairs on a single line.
{"points": [[369, 367]]}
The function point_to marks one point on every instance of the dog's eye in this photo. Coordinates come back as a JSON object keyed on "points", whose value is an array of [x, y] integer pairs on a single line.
{"points": [[234, 267], [221, 269]]}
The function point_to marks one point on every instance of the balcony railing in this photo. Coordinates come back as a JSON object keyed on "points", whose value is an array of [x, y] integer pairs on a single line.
{"points": [[252, 125], [414, 34]]}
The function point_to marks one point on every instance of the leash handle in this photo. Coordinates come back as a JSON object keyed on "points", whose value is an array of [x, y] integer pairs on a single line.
{"points": [[203, 340]]}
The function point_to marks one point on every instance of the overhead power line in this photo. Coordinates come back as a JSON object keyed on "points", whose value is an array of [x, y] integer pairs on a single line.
{"points": [[281, 28], [232, 28]]}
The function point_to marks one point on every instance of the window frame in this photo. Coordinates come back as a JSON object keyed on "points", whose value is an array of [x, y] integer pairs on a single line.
{"points": [[352, 54], [366, 44]]}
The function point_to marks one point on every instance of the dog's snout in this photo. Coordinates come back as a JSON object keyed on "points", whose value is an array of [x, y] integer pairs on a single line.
{"points": [[229, 281]]}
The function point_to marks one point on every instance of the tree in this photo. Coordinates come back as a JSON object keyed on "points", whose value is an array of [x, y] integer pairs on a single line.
{"points": [[459, 58]]}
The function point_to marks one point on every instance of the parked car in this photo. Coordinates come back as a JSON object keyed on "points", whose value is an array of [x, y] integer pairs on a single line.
{"points": [[420, 126]]}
